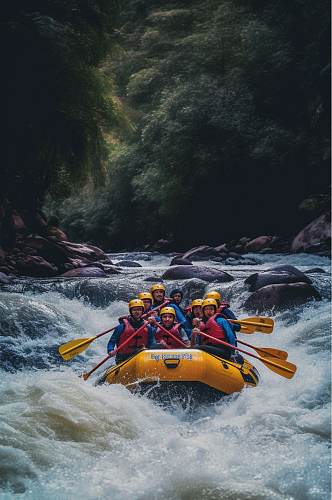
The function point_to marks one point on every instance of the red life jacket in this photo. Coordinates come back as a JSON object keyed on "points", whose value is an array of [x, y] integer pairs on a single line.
{"points": [[212, 328], [170, 342], [140, 340]]}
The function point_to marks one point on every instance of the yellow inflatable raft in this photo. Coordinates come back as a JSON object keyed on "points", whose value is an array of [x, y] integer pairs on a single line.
{"points": [[182, 370]]}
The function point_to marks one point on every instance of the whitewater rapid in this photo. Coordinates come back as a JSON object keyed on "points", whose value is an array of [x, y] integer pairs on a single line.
{"points": [[61, 437]]}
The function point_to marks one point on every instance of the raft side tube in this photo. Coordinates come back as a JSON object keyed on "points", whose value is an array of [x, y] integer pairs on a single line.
{"points": [[183, 365]]}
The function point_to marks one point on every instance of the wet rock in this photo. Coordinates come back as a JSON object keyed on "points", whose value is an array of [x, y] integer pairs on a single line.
{"points": [[127, 263], [266, 250], [85, 272], [222, 248], [48, 249], [57, 233], [234, 255], [180, 261], [201, 253], [154, 279], [35, 266], [276, 275], [80, 250], [314, 237], [258, 243], [317, 270], [4, 278], [110, 269], [244, 240], [204, 273], [281, 296]]}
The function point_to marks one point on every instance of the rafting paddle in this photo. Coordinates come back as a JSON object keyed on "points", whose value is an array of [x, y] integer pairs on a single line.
{"points": [[173, 336], [259, 324], [74, 347], [282, 367], [86, 375], [267, 351]]}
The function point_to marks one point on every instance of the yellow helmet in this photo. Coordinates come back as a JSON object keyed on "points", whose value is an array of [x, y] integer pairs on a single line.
{"points": [[197, 302], [158, 286], [135, 303], [213, 295], [167, 310], [145, 296], [209, 302]]}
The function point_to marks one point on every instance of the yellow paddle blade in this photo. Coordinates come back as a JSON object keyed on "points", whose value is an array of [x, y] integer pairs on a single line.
{"points": [[282, 367], [74, 347], [247, 329], [260, 323], [271, 352]]}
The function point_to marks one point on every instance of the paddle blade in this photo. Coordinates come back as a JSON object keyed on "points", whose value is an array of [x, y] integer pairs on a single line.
{"points": [[273, 353], [260, 324], [247, 329], [74, 347], [282, 367]]}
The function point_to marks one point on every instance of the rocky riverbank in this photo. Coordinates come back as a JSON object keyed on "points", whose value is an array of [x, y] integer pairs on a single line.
{"points": [[31, 245]]}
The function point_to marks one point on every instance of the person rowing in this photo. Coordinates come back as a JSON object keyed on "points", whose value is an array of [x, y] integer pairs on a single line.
{"points": [[176, 296], [147, 299], [167, 331], [158, 294], [214, 325], [194, 311], [223, 308], [127, 326]]}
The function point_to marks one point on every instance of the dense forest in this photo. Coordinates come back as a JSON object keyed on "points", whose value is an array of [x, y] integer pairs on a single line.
{"points": [[194, 121]]}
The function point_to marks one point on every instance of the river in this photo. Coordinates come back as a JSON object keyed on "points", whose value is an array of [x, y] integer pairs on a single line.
{"points": [[63, 438]]}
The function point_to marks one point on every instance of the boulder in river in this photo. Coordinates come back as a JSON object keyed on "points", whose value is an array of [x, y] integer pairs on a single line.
{"points": [[315, 270], [204, 273], [222, 248], [276, 275], [202, 252], [315, 237], [85, 272], [4, 279], [127, 263], [258, 243], [180, 261], [281, 296], [35, 266]]}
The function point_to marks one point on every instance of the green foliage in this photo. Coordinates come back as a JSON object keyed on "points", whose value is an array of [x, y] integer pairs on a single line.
{"points": [[57, 99], [230, 102]]}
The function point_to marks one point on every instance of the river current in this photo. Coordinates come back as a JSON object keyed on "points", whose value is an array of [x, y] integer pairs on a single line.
{"points": [[63, 438]]}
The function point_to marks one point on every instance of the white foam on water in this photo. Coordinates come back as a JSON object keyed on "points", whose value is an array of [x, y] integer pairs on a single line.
{"points": [[61, 437]]}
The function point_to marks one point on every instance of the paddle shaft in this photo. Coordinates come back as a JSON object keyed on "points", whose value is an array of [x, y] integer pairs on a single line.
{"points": [[260, 350], [264, 360], [173, 336], [87, 375], [247, 323], [124, 317]]}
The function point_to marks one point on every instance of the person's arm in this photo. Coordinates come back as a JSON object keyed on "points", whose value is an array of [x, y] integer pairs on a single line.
{"points": [[180, 317], [230, 315], [228, 330], [115, 337]]}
